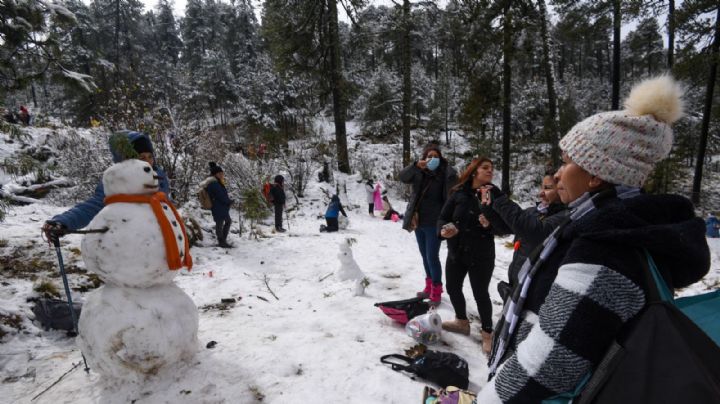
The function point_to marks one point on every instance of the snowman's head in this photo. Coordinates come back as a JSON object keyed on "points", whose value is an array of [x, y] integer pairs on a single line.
{"points": [[130, 177]]}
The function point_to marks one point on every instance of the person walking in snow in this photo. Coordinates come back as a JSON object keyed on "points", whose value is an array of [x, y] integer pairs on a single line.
{"points": [[370, 196], [221, 202], [471, 248], [530, 226], [332, 214], [277, 197], [712, 225], [431, 178], [587, 280], [140, 147], [24, 115]]}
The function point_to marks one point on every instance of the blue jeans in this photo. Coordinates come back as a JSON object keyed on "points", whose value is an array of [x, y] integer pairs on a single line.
{"points": [[429, 245]]}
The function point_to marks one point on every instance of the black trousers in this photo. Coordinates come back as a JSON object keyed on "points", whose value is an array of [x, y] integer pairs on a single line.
{"points": [[278, 216], [222, 228], [478, 263], [371, 208], [332, 224]]}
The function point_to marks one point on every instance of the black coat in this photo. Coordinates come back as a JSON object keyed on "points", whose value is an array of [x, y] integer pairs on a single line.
{"points": [[277, 193], [440, 180], [530, 227], [463, 209], [220, 200]]}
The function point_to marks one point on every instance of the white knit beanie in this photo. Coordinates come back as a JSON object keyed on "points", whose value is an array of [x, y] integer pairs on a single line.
{"points": [[622, 147]]}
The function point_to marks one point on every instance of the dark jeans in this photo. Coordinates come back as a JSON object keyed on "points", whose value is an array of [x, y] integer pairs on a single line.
{"points": [[278, 216], [332, 224], [478, 263], [429, 246], [371, 208], [222, 228]]}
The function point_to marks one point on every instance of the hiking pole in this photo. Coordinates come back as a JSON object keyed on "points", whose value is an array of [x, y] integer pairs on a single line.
{"points": [[55, 238], [287, 218]]}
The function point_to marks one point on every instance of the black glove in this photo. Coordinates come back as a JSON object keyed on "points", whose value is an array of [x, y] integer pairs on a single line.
{"points": [[495, 192], [53, 230]]}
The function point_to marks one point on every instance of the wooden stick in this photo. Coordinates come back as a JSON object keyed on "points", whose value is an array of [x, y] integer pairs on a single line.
{"points": [[265, 278], [75, 365]]}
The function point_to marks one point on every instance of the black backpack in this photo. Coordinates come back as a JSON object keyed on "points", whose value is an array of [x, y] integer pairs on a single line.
{"points": [[442, 368]]}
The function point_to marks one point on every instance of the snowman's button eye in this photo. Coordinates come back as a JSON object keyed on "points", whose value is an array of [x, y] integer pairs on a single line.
{"points": [[147, 169]]}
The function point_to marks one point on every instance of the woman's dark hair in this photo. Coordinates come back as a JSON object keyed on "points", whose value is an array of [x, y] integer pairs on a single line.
{"points": [[469, 172], [430, 147]]}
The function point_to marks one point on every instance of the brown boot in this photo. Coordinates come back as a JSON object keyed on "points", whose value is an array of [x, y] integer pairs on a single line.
{"points": [[458, 326], [487, 338]]}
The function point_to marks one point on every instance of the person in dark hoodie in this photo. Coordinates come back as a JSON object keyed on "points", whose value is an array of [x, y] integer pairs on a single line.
{"points": [[431, 178], [471, 248], [277, 197], [575, 295], [531, 226], [221, 202], [81, 214]]}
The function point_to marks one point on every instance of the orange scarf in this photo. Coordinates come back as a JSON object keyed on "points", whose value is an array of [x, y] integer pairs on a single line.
{"points": [[171, 249]]}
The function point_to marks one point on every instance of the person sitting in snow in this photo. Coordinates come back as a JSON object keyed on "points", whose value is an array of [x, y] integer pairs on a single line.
{"points": [[277, 197], [81, 214], [217, 190], [332, 213], [387, 209], [712, 225]]}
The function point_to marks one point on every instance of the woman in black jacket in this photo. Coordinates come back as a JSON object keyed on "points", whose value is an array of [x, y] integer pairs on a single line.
{"points": [[530, 226], [220, 204], [431, 179], [471, 248]]}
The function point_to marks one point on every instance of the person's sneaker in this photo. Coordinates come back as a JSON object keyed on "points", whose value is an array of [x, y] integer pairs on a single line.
{"points": [[458, 326], [280, 230]]}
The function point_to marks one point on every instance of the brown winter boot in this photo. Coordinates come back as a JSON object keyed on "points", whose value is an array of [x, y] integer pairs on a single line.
{"points": [[487, 338], [458, 326]]}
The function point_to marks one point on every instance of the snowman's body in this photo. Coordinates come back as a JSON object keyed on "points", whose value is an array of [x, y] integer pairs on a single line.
{"points": [[140, 322]]}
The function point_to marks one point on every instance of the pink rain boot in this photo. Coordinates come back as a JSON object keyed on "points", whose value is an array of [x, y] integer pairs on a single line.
{"points": [[425, 292], [435, 294]]}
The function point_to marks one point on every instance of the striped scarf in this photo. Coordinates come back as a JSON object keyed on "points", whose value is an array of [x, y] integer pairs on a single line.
{"points": [[514, 305]]}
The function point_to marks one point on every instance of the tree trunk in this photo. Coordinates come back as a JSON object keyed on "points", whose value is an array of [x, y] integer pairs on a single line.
{"points": [[407, 83], [338, 92], [671, 34], [549, 67], [616, 56], [697, 181], [117, 41], [507, 81]]}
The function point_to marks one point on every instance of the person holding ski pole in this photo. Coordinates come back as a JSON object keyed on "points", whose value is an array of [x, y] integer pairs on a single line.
{"points": [[123, 145]]}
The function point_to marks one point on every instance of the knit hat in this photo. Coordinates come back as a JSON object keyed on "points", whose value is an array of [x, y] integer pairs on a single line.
{"points": [[214, 168], [279, 179], [142, 145], [622, 147]]}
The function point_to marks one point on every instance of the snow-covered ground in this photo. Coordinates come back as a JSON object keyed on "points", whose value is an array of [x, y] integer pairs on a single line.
{"points": [[297, 333]]}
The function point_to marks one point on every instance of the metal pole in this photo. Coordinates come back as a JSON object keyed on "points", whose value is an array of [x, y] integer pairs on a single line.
{"points": [[56, 243]]}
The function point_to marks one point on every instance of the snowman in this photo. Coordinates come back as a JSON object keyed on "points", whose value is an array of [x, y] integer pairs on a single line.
{"points": [[140, 322]]}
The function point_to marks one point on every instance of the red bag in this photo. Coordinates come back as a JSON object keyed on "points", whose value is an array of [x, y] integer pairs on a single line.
{"points": [[403, 310]]}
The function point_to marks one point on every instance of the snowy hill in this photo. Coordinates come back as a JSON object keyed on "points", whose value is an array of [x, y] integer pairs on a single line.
{"points": [[297, 332]]}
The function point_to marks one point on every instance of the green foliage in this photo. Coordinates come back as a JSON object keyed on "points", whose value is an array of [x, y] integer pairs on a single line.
{"points": [[253, 206], [120, 143]]}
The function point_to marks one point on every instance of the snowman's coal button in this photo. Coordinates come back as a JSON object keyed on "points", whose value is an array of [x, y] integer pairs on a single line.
{"points": [[179, 237], [165, 207], [174, 223]]}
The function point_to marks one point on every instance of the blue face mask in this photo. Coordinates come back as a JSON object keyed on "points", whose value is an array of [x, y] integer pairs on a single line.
{"points": [[433, 164]]}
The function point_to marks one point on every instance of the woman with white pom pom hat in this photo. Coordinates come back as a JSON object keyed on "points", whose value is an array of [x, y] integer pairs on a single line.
{"points": [[575, 295]]}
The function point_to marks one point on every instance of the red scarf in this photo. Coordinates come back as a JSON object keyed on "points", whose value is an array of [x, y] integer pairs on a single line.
{"points": [[171, 249]]}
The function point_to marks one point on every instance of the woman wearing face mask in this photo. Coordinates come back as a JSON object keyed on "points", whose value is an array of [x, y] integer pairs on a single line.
{"points": [[575, 295], [471, 248], [431, 178], [530, 226]]}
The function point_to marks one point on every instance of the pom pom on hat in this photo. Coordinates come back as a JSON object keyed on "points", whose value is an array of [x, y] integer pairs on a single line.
{"points": [[622, 147], [659, 97]]}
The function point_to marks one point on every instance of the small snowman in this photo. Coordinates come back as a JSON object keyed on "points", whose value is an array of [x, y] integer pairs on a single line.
{"points": [[140, 322]]}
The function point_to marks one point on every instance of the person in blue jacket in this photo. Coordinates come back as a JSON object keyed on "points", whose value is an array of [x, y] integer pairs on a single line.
{"points": [[712, 226], [81, 214], [332, 213], [221, 202]]}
